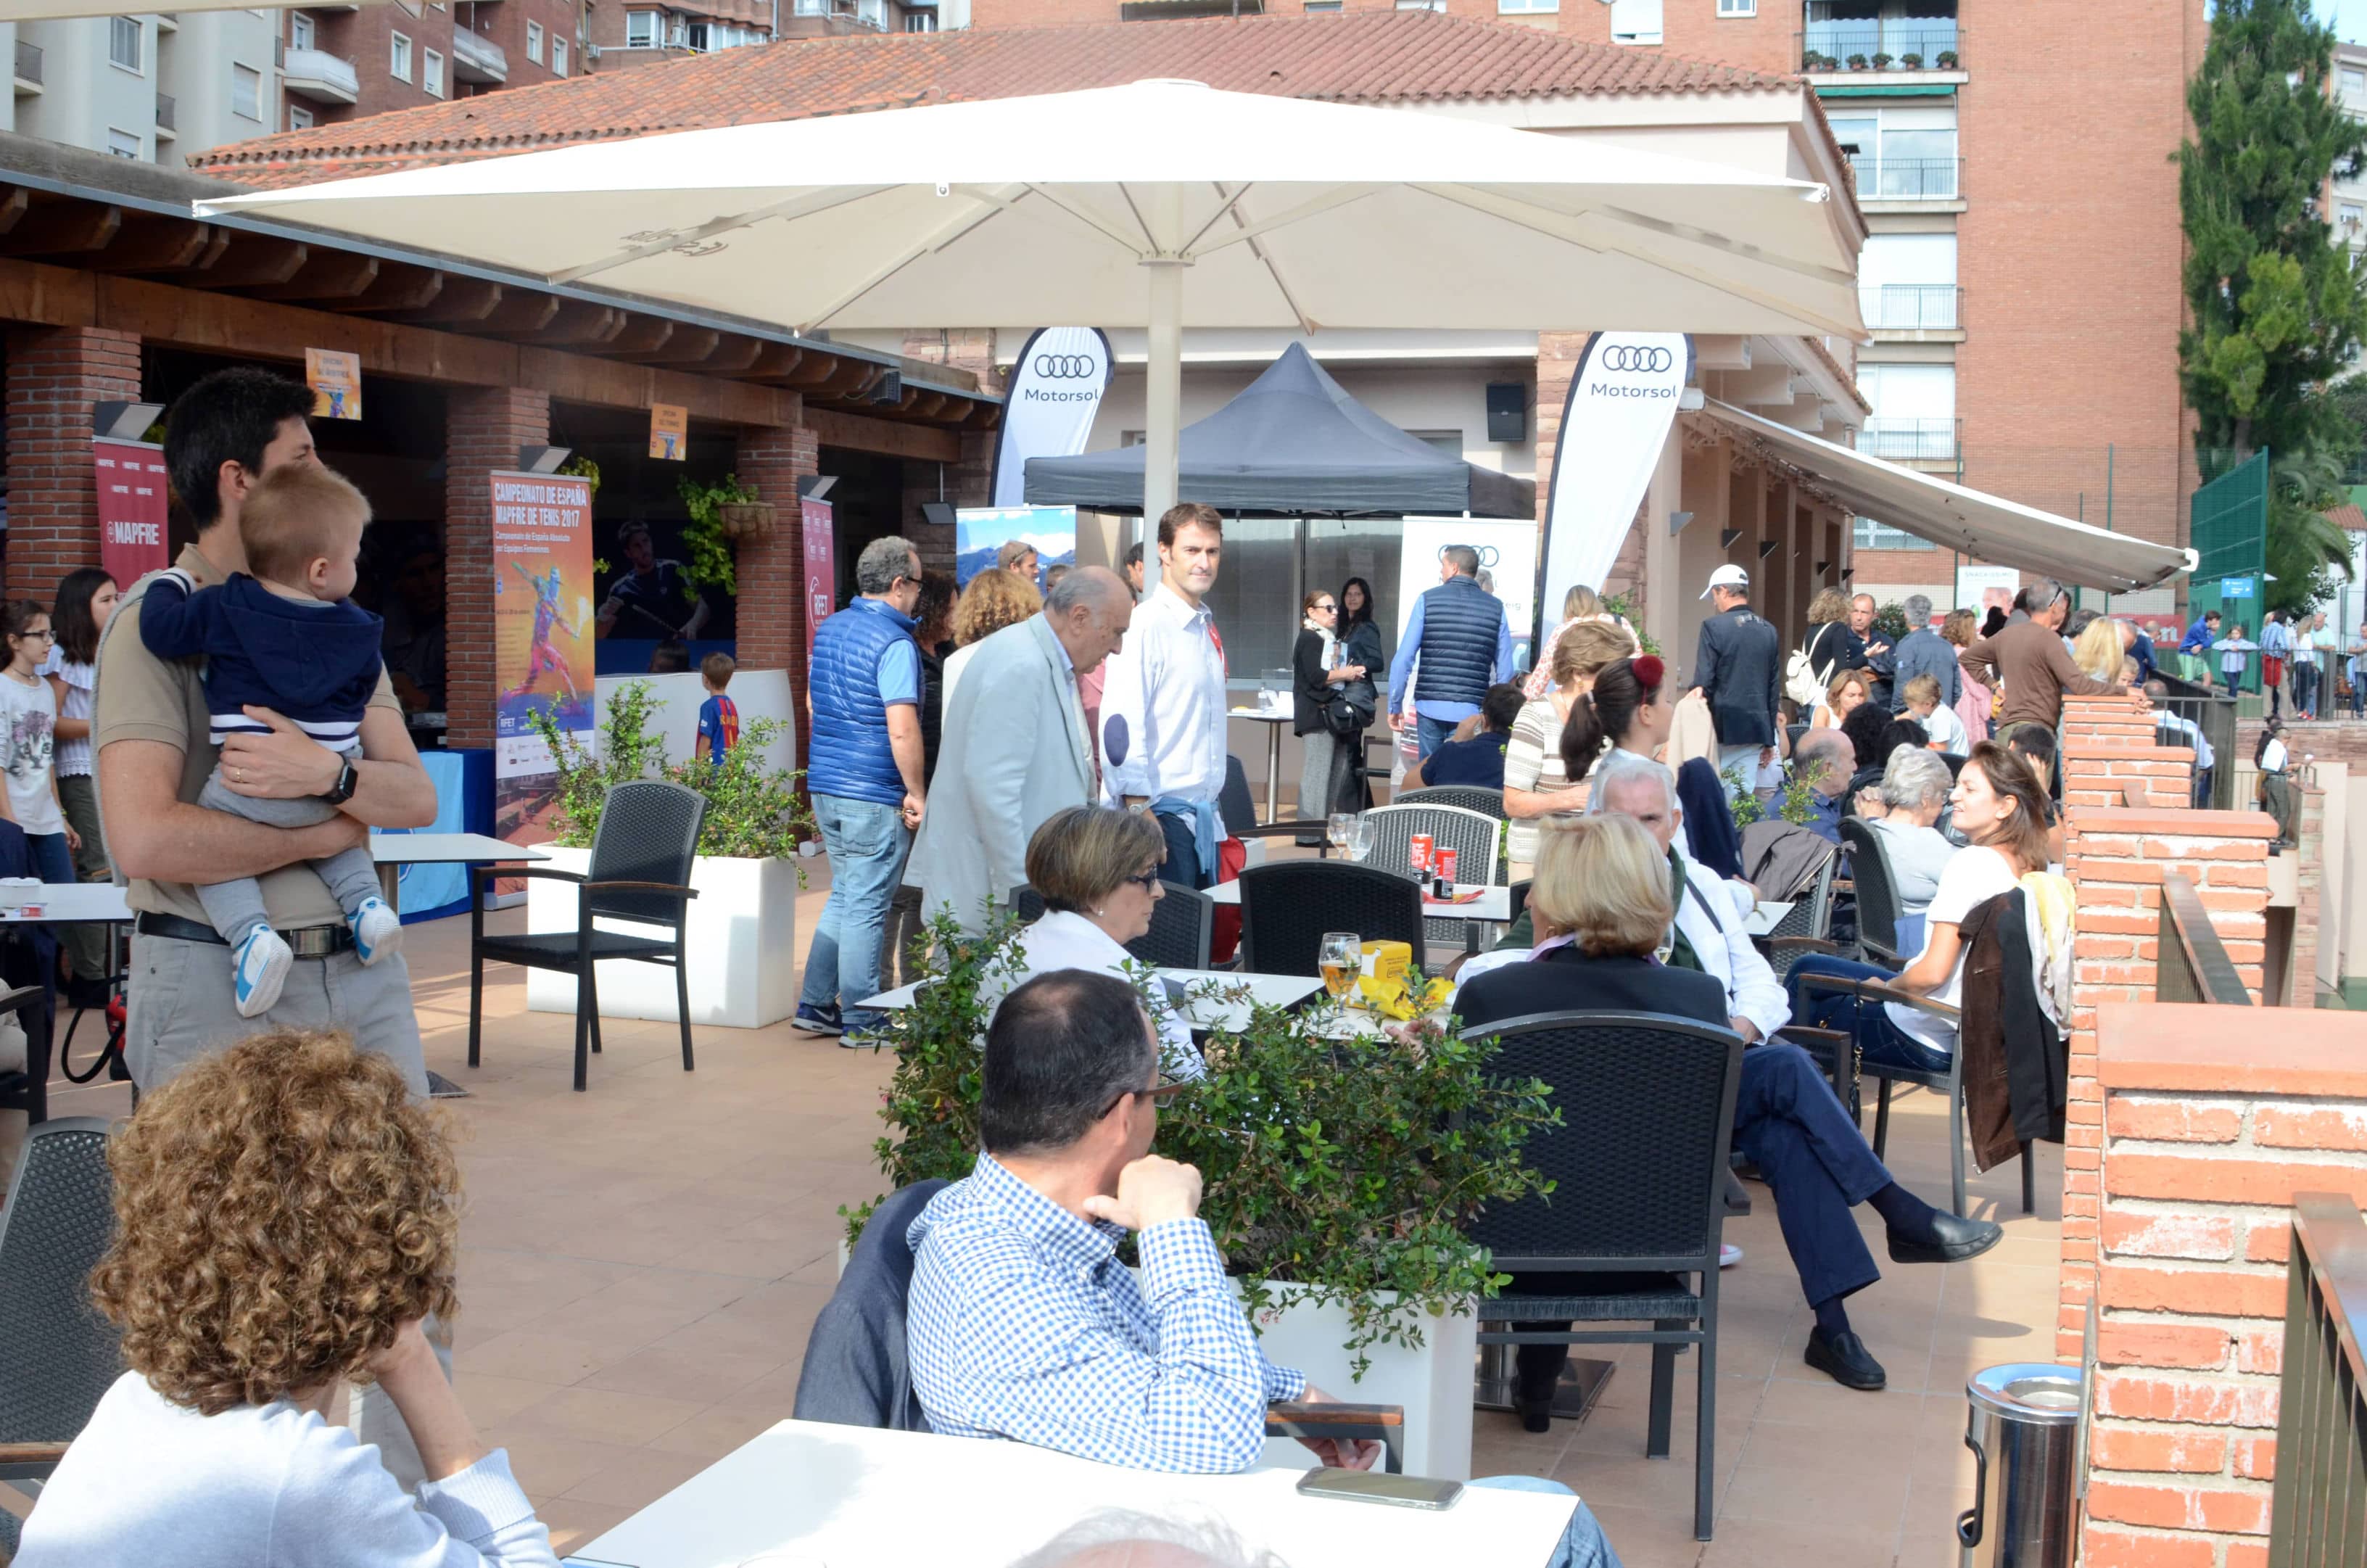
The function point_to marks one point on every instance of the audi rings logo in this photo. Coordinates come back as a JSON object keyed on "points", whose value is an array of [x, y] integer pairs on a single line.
{"points": [[1643, 361], [1486, 552], [1067, 367]]}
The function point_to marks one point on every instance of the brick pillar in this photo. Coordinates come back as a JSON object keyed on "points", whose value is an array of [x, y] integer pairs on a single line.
{"points": [[2309, 889], [483, 429], [1558, 357], [2209, 1130], [2108, 745], [54, 375], [772, 611]]}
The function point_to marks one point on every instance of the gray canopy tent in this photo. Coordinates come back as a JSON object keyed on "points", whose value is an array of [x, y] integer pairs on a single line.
{"points": [[1293, 444]]}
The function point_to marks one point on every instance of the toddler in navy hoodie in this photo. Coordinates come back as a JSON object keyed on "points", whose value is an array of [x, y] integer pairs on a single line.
{"points": [[287, 638]]}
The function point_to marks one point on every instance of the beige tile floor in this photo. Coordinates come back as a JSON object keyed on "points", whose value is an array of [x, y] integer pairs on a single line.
{"points": [[641, 1264]]}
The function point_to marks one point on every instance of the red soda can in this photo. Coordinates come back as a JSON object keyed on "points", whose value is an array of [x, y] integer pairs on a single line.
{"points": [[1443, 862], [1419, 848]]}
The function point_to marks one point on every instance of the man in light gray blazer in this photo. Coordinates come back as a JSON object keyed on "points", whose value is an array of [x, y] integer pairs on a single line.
{"points": [[1014, 748]]}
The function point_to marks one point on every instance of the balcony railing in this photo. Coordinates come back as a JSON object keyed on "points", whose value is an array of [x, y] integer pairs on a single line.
{"points": [[1911, 43], [164, 111], [2313, 1516], [2192, 964], [316, 74], [478, 59], [1911, 440], [1912, 307], [1907, 179], [29, 62], [2213, 712]]}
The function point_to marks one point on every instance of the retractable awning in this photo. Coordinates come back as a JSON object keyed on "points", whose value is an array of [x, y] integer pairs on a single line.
{"points": [[1987, 527]]}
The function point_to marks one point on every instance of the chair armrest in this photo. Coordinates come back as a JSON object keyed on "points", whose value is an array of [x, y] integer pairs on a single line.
{"points": [[1275, 829], [478, 874], [50, 1453], [1802, 945], [24, 995], [641, 887], [1878, 990], [1385, 1422]]}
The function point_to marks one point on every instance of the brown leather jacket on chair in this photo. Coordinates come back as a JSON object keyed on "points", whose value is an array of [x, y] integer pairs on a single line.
{"points": [[2015, 1065]]}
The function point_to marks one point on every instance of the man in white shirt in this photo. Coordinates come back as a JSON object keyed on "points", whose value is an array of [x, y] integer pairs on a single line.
{"points": [[2169, 721], [1162, 714]]}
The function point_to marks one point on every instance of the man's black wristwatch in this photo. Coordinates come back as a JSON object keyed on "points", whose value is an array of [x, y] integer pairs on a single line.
{"points": [[343, 790]]}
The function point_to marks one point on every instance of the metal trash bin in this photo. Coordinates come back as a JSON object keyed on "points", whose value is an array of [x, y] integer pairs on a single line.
{"points": [[2023, 1428]]}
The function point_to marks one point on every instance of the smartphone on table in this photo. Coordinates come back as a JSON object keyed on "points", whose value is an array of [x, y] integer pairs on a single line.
{"points": [[1374, 1486]]}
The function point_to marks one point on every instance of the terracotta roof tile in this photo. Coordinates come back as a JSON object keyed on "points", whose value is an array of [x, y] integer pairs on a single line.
{"points": [[1372, 57], [2348, 515]]}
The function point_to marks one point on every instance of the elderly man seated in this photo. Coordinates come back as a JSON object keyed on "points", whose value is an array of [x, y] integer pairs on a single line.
{"points": [[1023, 1324], [1828, 759], [1786, 1118]]}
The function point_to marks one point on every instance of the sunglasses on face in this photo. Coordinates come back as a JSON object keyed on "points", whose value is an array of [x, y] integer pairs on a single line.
{"points": [[1147, 881]]}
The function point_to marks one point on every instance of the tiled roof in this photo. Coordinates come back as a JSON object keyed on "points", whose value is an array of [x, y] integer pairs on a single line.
{"points": [[2348, 515], [1372, 57]]}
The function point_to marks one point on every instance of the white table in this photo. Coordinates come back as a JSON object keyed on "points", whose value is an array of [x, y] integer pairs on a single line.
{"points": [[1494, 903], [1274, 721], [393, 850], [808, 1494], [65, 901], [1765, 917], [1218, 1013]]}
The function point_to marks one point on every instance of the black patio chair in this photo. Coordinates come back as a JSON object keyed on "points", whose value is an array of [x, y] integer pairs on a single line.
{"points": [[1027, 904], [1877, 893], [1182, 923], [640, 872], [1487, 802], [1631, 1232], [56, 1354], [1287, 907]]}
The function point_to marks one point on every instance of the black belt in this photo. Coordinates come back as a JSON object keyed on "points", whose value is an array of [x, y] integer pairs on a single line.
{"points": [[305, 942]]}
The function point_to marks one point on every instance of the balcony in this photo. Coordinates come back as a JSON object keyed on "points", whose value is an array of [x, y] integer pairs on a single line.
{"points": [[165, 130], [317, 75], [1870, 48], [478, 59], [1912, 440], [1912, 307], [1907, 179], [28, 69]]}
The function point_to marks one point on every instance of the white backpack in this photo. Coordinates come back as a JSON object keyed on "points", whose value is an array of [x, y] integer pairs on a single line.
{"points": [[1802, 682]]}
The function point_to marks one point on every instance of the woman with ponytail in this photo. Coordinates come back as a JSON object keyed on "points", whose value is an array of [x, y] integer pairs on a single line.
{"points": [[1621, 720]]}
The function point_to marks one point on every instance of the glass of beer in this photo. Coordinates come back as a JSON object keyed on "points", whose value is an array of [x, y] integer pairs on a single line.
{"points": [[1336, 827], [1342, 957]]}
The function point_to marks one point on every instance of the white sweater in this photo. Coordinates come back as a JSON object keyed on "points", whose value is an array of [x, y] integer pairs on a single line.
{"points": [[263, 1486]]}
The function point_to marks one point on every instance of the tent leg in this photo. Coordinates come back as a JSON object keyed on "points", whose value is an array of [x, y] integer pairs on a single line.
{"points": [[1163, 399]]}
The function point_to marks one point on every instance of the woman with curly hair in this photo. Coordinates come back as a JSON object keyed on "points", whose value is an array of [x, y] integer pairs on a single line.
{"points": [[995, 598], [285, 1214]]}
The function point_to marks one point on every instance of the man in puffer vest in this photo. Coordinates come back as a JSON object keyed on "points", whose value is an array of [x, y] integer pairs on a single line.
{"points": [[1456, 646], [864, 696]]}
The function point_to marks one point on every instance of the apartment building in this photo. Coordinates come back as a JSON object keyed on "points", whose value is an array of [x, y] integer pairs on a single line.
{"points": [[626, 34], [2347, 208], [344, 62], [157, 88]]}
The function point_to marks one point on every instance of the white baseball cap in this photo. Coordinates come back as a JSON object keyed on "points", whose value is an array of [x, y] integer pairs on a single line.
{"points": [[1726, 576]]}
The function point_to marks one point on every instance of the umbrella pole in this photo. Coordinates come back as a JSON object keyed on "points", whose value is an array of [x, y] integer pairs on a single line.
{"points": [[1163, 404]]}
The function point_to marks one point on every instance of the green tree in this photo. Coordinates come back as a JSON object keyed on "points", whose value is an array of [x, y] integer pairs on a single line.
{"points": [[2276, 309]]}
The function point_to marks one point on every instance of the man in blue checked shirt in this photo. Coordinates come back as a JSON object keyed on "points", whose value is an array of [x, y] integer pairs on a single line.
{"points": [[1023, 1324]]}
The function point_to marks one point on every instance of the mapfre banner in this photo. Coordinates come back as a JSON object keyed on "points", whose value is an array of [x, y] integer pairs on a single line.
{"points": [[1055, 390], [1622, 402], [131, 503]]}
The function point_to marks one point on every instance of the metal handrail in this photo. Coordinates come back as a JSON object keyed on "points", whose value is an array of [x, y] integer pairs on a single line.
{"points": [[2192, 964], [2213, 712], [1906, 179], [2322, 1391]]}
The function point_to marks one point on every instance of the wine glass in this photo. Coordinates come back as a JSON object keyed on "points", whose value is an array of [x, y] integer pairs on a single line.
{"points": [[1335, 829], [1359, 838], [1341, 958]]}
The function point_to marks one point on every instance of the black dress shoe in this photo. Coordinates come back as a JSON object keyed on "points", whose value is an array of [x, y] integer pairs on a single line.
{"points": [[1844, 1358], [1952, 1241], [1536, 1414]]}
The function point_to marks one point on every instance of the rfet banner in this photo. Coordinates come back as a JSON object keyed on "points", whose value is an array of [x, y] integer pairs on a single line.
{"points": [[1622, 401], [132, 497], [542, 640], [814, 521], [1055, 390]]}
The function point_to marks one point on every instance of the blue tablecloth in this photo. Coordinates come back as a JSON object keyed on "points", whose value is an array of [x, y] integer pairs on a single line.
{"points": [[464, 803]]}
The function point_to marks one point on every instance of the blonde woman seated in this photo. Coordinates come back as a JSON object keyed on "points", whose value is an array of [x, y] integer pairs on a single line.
{"points": [[1097, 870], [286, 1213], [1844, 695]]}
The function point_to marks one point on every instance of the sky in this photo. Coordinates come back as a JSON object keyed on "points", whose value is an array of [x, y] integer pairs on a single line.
{"points": [[2349, 17]]}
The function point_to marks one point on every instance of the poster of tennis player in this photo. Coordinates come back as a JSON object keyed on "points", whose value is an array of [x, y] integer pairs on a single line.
{"points": [[542, 639]]}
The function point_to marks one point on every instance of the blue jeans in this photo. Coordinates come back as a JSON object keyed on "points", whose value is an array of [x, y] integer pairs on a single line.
{"points": [[1431, 733], [1583, 1544], [866, 842], [53, 862], [1879, 1040]]}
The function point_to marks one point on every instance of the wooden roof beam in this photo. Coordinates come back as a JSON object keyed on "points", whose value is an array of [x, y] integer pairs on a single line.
{"points": [[326, 276], [581, 321], [642, 335], [773, 361], [519, 315], [64, 228], [247, 261], [684, 346], [396, 289], [12, 207], [734, 356], [462, 302], [152, 242]]}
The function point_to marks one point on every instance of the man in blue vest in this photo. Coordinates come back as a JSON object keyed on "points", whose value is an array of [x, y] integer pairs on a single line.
{"points": [[864, 772], [1456, 647]]}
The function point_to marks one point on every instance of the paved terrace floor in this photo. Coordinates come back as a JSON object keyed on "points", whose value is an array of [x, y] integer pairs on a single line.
{"points": [[640, 1264]]}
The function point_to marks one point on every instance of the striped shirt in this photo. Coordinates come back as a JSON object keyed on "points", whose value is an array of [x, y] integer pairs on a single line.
{"points": [[1533, 762]]}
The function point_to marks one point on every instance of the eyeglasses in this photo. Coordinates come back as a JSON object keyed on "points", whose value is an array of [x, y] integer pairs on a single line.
{"points": [[1326, 607], [45, 636], [1158, 1096], [1148, 880]]}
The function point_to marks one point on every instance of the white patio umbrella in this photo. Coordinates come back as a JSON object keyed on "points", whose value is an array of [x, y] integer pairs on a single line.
{"points": [[1160, 205]]}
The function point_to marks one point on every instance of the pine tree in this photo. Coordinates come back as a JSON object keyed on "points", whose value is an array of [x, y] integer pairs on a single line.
{"points": [[2276, 309]]}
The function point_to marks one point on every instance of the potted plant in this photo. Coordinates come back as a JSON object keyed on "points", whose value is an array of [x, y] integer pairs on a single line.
{"points": [[1947, 61], [741, 939], [1338, 1173], [707, 540], [1882, 61], [1910, 61], [1857, 61]]}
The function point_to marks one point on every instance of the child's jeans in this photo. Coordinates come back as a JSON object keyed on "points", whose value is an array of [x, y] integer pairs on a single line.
{"points": [[235, 907]]}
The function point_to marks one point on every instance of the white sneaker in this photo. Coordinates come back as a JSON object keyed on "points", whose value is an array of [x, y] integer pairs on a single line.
{"points": [[378, 930], [259, 970], [1728, 1255]]}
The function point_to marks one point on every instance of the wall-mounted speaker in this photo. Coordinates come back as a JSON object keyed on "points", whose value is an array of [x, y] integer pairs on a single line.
{"points": [[1507, 411]]}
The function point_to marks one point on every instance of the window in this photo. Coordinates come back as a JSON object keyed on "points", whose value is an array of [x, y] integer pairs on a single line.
{"points": [[558, 57], [2354, 83], [298, 119], [398, 63], [300, 31], [122, 143], [1526, 7], [1901, 154], [1737, 7], [431, 74], [1327, 7], [872, 13], [814, 7], [1421, 4], [1908, 282], [534, 43], [920, 21], [1875, 535], [641, 29], [124, 37], [2350, 220], [1914, 411], [246, 93], [1634, 21]]}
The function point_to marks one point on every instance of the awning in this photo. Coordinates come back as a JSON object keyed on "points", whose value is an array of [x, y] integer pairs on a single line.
{"points": [[1987, 527]]}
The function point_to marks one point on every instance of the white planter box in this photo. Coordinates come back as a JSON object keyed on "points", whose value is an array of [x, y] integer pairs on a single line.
{"points": [[741, 944], [1434, 1382]]}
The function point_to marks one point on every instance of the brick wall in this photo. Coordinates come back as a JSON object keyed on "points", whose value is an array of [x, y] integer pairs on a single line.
{"points": [[2208, 1130], [2108, 745], [772, 570], [483, 429], [54, 376]]}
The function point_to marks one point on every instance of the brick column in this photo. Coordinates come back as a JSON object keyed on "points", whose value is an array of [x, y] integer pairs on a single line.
{"points": [[54, 375], [2209, 1130], [772, 611], [2108, 745], [2309, 891], [1558, 357], [2116, 857], [483, 429]]}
